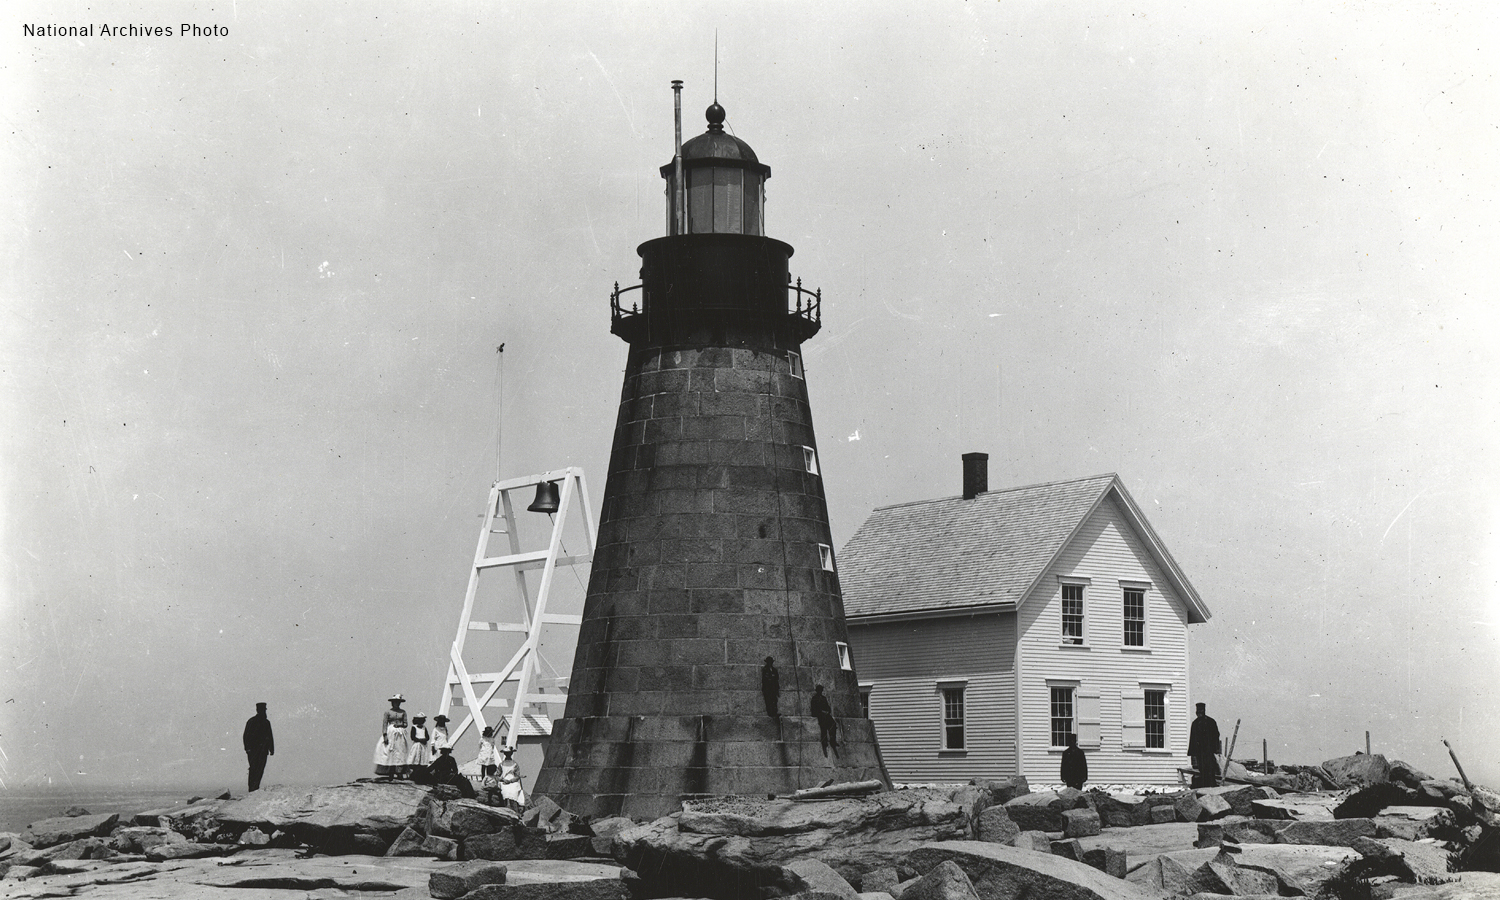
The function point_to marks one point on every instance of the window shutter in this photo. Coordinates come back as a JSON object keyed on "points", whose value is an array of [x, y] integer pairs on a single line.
{"points": [[1088, 718], [1133, 719]]}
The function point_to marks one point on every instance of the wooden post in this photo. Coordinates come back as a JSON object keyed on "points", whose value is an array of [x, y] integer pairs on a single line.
{"points": [[1265, 758], [1367, 743], [1230, 755], [1456, 764]]}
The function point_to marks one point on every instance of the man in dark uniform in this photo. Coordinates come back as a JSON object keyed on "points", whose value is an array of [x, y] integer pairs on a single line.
{"points": [[258, 744], [1203, 749], [828, 729], [1075, 766], [770, 686]]}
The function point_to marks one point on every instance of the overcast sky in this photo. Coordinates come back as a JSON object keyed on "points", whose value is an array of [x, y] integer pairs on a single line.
{"points": [[1242, 254]]}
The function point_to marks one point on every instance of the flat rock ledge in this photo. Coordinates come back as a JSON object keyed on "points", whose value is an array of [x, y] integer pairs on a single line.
{"points": [[1408, 836], [281, 875], [738, 846]]}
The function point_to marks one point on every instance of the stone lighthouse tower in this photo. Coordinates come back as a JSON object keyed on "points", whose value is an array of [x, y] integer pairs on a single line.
{"points": [[713, 631]]}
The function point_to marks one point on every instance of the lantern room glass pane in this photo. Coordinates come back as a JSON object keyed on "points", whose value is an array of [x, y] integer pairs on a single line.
{"points": [[753, 196], [722, 190], [734, 206], [700, 200]]}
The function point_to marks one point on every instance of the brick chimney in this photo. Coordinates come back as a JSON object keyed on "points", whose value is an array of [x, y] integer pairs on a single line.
{"points": [[976, 474]]}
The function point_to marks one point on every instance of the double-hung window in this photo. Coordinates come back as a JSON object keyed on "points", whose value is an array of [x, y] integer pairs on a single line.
{"points": [[952, 694], [1135, 617], [1072, 613], [1062, 714], [1156, 719], [1143, 717]]}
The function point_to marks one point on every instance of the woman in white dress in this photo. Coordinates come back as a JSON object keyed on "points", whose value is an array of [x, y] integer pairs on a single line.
{"points": [[440, 737], [421, 752], [510, 781], [391, 749]]}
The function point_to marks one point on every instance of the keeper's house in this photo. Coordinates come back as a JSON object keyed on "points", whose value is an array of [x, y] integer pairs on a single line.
{"points": [[987, 628]]}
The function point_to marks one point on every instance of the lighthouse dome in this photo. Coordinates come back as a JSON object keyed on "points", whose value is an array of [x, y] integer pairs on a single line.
{"points": [[716, 143], [724, 183]]}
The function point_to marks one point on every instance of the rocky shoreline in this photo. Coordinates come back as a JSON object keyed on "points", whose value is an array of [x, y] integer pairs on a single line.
{"points": [[1360, 827]]}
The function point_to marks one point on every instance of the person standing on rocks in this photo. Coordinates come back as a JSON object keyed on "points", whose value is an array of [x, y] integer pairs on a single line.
{"points": [[1203, 749], [390, 750], [488, 759], [421, 753], [828, 728], [259, 743], [440, 737], [770, 687], [1075, 766]]}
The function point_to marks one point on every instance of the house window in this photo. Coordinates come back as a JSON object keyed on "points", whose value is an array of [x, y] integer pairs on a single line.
{"points": [[864, 699], [1062, 715], [825, 556], [953, 718], [795, 359], [810, 460], [844, 662], [1072, 614], [1156, 720], [1135, 617]]}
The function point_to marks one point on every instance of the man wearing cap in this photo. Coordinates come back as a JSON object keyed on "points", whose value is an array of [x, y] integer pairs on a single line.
{"points": [[259, 744]]}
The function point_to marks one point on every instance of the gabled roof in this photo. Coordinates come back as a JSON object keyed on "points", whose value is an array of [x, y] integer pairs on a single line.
{"points": [[949, 556], [532, 725]]}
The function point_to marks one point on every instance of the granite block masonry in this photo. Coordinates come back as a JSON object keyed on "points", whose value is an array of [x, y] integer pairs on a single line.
{"points": [[714, 550]]}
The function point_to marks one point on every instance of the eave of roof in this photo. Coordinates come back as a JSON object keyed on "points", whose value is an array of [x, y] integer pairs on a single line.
{"points": [[938, 612]]}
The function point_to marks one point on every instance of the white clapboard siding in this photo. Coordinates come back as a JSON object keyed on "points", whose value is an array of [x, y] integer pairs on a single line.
{"points": [[903, 664], [1106, 550]]}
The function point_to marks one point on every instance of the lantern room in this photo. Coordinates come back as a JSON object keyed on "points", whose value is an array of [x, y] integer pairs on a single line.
{"points": [[724, 184]]}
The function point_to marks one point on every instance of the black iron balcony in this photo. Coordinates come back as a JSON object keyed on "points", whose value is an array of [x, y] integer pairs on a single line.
{"points": [[803, 312]]}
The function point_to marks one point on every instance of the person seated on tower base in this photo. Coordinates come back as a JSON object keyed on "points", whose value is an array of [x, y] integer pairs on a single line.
{"points": [[511, 791], [444, 770], [770, 687], [828, 727]]}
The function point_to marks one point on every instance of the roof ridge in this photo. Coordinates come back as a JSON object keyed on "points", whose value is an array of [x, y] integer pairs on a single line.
{"points": [[1009, 490]]}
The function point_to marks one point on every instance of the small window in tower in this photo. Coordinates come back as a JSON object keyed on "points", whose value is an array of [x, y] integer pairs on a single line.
{"points": [[844, 662], [810, 460], [796, 360], [825, 554]]}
